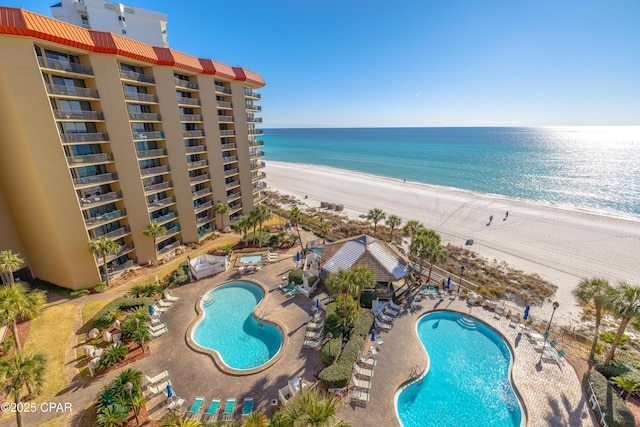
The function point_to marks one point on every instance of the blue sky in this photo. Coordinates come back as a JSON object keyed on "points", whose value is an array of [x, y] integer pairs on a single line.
{"points": [[421, 62]]}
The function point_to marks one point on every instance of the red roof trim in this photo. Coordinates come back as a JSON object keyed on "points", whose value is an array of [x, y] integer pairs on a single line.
{"points": [[22, 22]]}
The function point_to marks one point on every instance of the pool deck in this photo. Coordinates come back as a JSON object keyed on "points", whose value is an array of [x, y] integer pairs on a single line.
{"points": [[551, 391]]}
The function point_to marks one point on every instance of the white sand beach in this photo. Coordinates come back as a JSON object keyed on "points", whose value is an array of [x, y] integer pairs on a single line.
{"points": [[560, 245]]}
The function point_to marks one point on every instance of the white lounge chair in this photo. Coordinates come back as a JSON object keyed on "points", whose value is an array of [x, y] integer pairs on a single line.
{"points": [[167, 296], [312, 344], [164, 304], [315, 326], [159, 309], [153, 390], [363, 372], [361, 384], [394, 306], [359, 397], [390, 311], [176, 404], [156, 328], [382, 325], [313, 335], [384, 318], [156, 334], [367, 361]]}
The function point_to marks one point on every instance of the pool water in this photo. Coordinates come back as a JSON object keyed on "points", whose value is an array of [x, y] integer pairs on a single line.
{"points": [[230, 328], [468, 379], [247, 259]]}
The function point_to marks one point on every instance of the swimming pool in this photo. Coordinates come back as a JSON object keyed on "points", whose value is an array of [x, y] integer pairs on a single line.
{"points": [[468, 381], [252, 258], [230, 328]]}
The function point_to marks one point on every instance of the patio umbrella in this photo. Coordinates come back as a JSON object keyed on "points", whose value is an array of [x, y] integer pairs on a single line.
{"points": [[525, 316], [317, 303], [169, 391], [151, 310], [449, 282], [297, 256], [373, 335]]}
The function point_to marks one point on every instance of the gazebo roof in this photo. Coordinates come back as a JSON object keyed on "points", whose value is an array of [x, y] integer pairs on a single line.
{"points": [[383, 259]]}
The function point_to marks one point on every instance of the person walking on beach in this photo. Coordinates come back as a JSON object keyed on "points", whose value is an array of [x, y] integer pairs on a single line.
{"points": [[506, 216], [490, 219]]}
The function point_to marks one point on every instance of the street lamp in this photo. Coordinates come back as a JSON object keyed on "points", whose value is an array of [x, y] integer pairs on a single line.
{"points": [[555, 307], [329, 337], [460, 282], [128, 387]]}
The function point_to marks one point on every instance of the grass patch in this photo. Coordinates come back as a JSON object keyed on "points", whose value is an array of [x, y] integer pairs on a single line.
{"points": [[51, 341]]}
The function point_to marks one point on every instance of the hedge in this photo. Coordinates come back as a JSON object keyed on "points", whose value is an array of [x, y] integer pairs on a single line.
{"points": [[101, 319], [330, 350], [295, 276], [627, 369], [617, 414], [183, 276]]}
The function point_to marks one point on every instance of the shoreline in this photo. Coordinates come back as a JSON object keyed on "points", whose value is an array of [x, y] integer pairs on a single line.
{"points": [[561, 245]]}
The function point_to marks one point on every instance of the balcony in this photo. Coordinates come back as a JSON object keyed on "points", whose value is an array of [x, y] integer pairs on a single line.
{"points": [[203, 220], [170, 232], [255, 132], [197, 164], [232, 184], [153, 117], [233, 196], [142, 97], [90, 158], [230, 172], [105, 218], [95, 179], [252, 107], [188, 101], [162, 252], [146, 154], [250, 93], [186, 84], [225, 119], [256, 143], [55, 64], [120, 268], [195, 149], [191, 117], [154, 188], [229, 159], [78, 115], [199, 178], [222, 89], [147, 135], [258, 175], [122, 231], [84, 137], [227, 132], [80, 92], [199, 207], [254, 119], [259, 198], [162, 219], [88, 202], [259, 186], [157, 204], [136, 77], [256, 154], [231, 146], [158, 170], [225, 104], [200, 193], [192, 133], [123, 250], [257, 165], [235, 208]]}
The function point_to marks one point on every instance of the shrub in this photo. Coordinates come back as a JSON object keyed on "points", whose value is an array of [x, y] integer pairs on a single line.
{"points": [[79, 293], [295, 276], [617, 414], [627, 369], [112, 355], [312, 280], [183, 276], [102, 318], [363, 326], [337, 375], [100, 287], [366, 299], [51, 287], [330, 350]]}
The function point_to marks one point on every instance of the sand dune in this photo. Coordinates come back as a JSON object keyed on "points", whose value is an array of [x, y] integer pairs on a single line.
{"points": [[560, 245]]}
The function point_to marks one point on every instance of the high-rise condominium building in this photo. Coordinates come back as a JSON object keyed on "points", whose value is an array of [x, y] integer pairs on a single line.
{"points": [[113, 17], [103, 135]]}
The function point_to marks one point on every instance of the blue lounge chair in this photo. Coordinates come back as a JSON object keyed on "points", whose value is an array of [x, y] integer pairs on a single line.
{"points": [[293, 292], [288, 288], [195, 407], [227, 414], [212, 412], [247, 406]]}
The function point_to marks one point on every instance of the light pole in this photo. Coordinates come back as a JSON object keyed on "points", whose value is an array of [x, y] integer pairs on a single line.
{"points": [[329, 337], [555, 307], [128, 387], [460, 282]]}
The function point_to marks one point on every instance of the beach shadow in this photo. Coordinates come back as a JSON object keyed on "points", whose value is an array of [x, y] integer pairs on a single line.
{"points": [[518, 338]]}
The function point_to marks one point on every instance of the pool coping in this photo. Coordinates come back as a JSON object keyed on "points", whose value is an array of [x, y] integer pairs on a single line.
{"points": [[525, 413], [214, 355]]}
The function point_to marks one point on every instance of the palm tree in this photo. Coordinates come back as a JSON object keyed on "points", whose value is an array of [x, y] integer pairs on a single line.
{"points": [[221, 209], [9, 263], [362, 278], [263, 214], [628, 385], [393, 221], [155, 230], [376, 215], [596, 290], [296, 215], [624, 303], [174, 419], [256, 419], [421, 247], [435, 253], [103, 247], [141, 335], [411, 228], [310, 409], [17, 303], [19, 371], [112, 416], [325, 228], [241, 226], [344, 283]]}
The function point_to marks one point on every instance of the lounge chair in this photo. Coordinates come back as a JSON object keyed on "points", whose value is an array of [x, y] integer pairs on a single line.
{"points": [[553, 343], [164, 304], [515, 319], [159, 309], [241, 269], [557, 356], [293, 292], [227, 414], [367, 361], [157, 328], [195, 407], [289, 287], [212, 411], [425, 291], [363, 372], [394, 306], [315, 326], [159, 332], [382, 325], [312, 344], [247, 407], [390, 311], [153, 390], [313, 335], [361, 384], [359, 397], [167, 296], [176, 404], [156, 378], [384, 318]]}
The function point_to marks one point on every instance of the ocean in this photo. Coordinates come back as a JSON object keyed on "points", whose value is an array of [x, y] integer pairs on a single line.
{"points": [[594, 169]]}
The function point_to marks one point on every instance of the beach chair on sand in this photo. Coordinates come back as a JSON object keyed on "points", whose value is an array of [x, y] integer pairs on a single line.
{"points": [[195, 407], [227, 413], [247, 407], [212, 411]]}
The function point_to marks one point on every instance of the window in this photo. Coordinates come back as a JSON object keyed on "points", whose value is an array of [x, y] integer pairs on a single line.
{"points": [[124, 31]]}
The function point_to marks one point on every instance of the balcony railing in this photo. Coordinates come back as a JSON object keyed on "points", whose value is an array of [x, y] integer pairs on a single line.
{"points": [[90, 158], [256, 143], [203, 220], [232, 184], [195, 148], [78, 115], [258, 198], [153, 188], [235, 208], [225, 119], [192, 133], [202, 206], [156, 204], [231, 146], [222, 89], [81, 92], [255, 132], [254, 119], [84, 137], [186, 83], [145, 154], [227, 132], [96, 179], [123, 250], [143, 97], [114, 271], [224, 104], [191, 117], [259, 186], [233, 196], [161, 219], [257, 165], [155, 117], [251, 93], [115, 233], [71, 67], [188, 101], [87, 202], [258, 175], [155, 170], [200, 193], [197, 164], [229, 159], [230, 172], [162, 252], [170, 232], [148, 135], [105, 218], [199, 178], [253, 107], [258, 154], [138, 77]]}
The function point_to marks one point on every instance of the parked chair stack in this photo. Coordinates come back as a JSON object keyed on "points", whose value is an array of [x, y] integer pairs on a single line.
{"points": [[313, 336]]}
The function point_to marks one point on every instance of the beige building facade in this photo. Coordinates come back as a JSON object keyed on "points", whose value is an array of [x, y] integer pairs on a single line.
{"points": [[102, 135]]}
